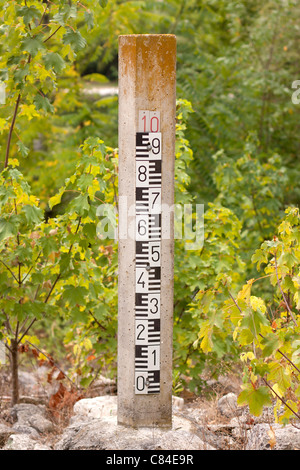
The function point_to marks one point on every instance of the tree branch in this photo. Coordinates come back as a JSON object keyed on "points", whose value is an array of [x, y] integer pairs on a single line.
{"points": [[280, 398], [49, 37], [282, 293], [8, 268], [51, 360], [11, 131], [51, 290]]}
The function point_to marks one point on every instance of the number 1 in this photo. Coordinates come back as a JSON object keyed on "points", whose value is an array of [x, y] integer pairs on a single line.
{"points": [[144, 119]]}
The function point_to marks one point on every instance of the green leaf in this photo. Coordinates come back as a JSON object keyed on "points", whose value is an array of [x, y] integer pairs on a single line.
{"points": [[42, 102], [103, 3], [288, 259], [32, 45], [68, 11], [74, 38], [7, 229], [28, 13], [89, 19], [255, 398], [271, 343], [254, 320], [23, 149], [75, 295], [34, 215], [54, 61], [89, 230], [86, 381], [245, 336], [80, 204], [20, 73], [85, 181], [259, 257]]}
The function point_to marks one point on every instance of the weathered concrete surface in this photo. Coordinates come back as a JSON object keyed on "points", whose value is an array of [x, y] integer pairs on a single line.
{"points": [[147, 81]]}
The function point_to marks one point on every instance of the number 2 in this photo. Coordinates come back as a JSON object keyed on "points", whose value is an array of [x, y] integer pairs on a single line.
{"points": [[139, 334]]}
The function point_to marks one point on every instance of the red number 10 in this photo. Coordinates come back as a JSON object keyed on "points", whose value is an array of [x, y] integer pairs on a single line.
{"points": [[150, 121]]}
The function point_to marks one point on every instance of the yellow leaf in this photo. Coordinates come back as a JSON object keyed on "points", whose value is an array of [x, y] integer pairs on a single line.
{"points": [[87, 344], [29, 111], [246, 291], [13, 162], [272, 436], [42, 72], [3, 124], [247, 356], [206, 344], [257, 304]]}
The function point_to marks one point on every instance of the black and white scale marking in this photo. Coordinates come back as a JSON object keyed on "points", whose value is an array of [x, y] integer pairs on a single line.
{"points": [[148, 262]]}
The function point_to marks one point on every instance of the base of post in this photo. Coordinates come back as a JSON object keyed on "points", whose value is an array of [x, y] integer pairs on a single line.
{"points": [[133, 424], [144, 417]]}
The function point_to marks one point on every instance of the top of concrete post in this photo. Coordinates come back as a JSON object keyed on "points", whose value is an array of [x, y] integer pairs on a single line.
{"points": [[152, 57]]}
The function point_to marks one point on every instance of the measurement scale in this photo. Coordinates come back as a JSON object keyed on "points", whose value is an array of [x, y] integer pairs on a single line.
{"points": [[148, 253]]}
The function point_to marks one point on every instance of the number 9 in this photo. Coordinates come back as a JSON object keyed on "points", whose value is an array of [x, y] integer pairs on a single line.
{"points": [[156, 146]]}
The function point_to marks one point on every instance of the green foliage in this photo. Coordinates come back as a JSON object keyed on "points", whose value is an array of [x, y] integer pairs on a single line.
{"points": [[266, 330], [213, 264], [254, 190], [58, 268], [270, 329]]}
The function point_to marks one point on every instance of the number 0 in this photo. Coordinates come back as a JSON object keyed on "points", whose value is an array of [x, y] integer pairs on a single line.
{"points": [[154, 124], [140, 383]]}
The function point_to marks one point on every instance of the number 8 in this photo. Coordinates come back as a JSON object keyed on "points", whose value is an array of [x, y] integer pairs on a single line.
{"points": [[142, 173]]}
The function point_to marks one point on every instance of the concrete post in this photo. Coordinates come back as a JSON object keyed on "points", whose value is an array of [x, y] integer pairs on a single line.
{"points": [[147, 113]]}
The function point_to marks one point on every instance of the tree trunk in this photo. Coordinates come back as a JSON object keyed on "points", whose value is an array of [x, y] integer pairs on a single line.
{"points": [[14, 372]]}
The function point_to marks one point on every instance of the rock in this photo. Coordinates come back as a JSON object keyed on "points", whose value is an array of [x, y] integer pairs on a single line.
{"points": [[28, 382], [94, 408], [266, 437], [227, 405], [31, 422], [223, 385], [23, 429], [23, 442], [106, 434], [31, 416], [5, 432], [94, 427], [196, 426], [177, 403], [41, 423]]}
